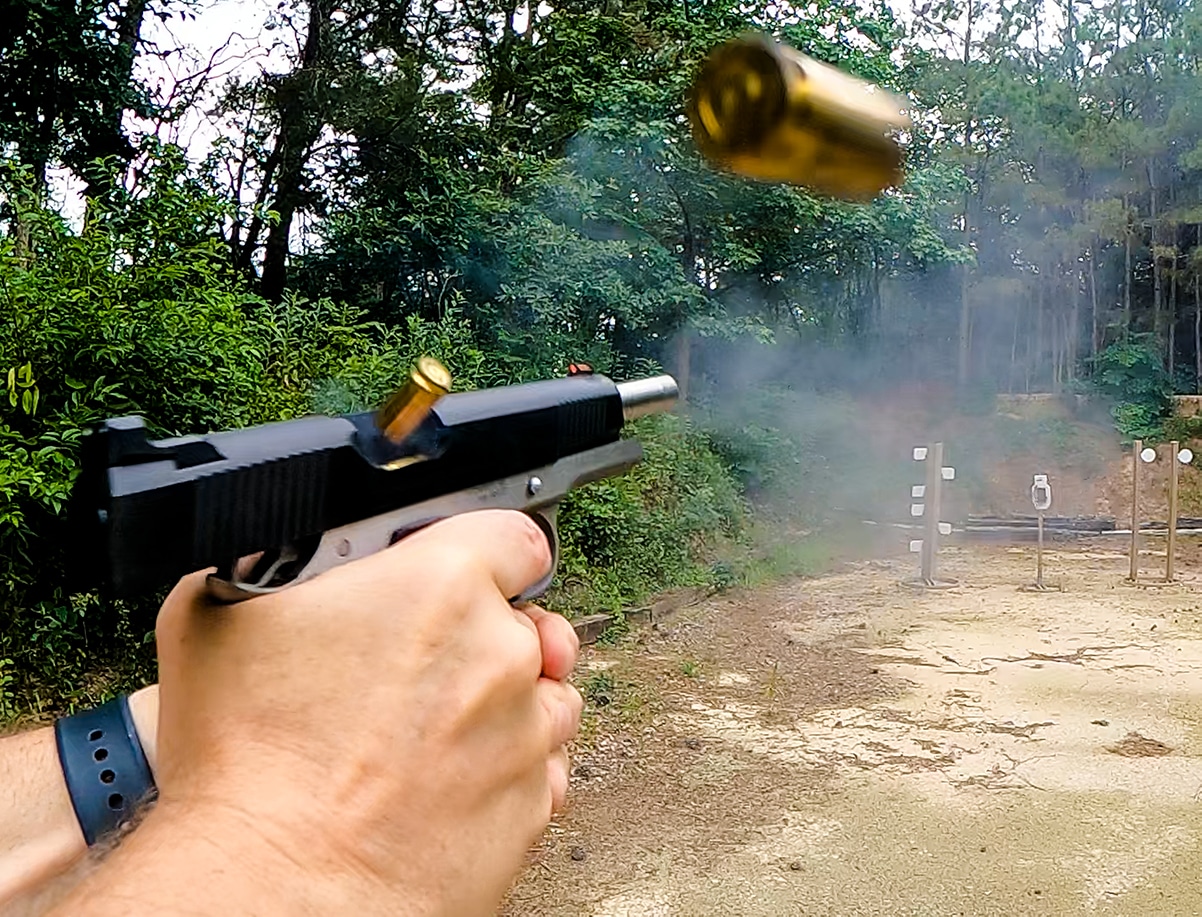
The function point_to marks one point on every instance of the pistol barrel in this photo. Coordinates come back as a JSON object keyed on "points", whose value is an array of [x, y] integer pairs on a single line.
{"points": [[647, 396]]}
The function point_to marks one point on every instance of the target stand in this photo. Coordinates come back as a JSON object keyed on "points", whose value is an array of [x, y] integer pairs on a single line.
{"points": [[1041, 499], [931, 494]]}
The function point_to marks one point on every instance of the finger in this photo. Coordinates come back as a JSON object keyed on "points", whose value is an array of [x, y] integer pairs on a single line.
{"points": [[508, 545], [563, 705], [176, 612], [558, 640], [558, 767]]}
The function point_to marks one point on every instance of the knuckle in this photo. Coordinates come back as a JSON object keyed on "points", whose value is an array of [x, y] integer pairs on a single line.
{"points": [[558, 770], [173, 616], [520, 655], [576, 705], [573, 640]]}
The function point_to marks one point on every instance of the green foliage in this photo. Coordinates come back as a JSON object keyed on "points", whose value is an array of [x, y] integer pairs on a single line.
{"points": [[1183, 429], [66, 76], [780, 551], [1130, 374], [599, 689], [653, 528], [1056, 436], [762, 457], [141, 313]]}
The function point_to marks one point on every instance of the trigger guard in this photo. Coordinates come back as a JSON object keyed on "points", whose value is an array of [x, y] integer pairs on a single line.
{"points": [[545, 520]]}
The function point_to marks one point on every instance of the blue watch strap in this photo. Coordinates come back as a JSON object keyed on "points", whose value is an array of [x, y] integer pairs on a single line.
{"points": [[105, 767]]}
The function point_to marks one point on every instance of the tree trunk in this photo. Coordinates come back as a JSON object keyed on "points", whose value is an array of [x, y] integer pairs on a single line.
{"points": [[964, 350], [1041, 339], [1054, 322], [693, 270], [300, 126], [1028, 360], [1172, 318], [1014, 348], [683, 359], [1198, 322], [1074, 321], [965, 339], [113, 142], [1158, 316], [1094, 345], [1127, 271]]}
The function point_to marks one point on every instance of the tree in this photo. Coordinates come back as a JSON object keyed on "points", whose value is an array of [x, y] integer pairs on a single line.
{"points": [[66, 81]]}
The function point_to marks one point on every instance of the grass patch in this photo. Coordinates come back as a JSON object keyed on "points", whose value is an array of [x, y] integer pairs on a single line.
{"points": [[780, 552]]}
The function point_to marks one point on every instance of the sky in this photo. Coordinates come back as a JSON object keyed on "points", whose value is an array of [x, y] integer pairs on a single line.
{"points": [[225, 37]]}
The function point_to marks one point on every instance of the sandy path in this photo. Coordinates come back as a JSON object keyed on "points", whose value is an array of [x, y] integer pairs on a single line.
{"points": [[844, 746]]}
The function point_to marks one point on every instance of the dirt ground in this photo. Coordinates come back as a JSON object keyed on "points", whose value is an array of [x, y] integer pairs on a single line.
{"points": [[847, 746]]}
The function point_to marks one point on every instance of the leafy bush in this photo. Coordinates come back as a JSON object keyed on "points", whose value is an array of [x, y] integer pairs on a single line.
{"points": [[652, 528], [1130, 374], [141, 313], [1183, 429]]}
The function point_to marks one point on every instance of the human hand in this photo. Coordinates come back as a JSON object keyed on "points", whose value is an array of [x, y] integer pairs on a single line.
{"points": [[387, 738]]}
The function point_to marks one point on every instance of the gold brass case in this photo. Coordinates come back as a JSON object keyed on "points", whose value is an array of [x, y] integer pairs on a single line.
{"points": [[764, 110], [404, 411]]}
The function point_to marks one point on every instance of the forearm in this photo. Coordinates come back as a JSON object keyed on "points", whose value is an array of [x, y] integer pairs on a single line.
{"points": [[40, 837], [187, 862]]}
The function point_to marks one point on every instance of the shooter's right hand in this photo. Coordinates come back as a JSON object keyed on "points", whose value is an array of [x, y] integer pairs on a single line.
{"points": [[387, 738]]}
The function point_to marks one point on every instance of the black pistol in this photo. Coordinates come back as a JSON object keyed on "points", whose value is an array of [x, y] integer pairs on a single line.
{"points": [[278, 504]]}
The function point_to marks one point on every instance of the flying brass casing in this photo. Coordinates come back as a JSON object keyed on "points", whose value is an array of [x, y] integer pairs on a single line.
{"points": [[404, 411], [764, 110]]}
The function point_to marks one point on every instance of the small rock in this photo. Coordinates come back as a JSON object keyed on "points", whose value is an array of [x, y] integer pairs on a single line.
{"points": [[874, 671], [578, 854], [795, 866], [1100, 722], [982, 850], [692, 742], [582, 771]]}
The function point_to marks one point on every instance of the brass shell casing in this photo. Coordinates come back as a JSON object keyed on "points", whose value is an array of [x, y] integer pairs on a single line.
{"points": [[404, 411], [761, 109]]}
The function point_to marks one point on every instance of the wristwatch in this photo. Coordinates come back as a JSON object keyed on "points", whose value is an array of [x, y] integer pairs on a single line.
{"points": [[105, 767]]}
